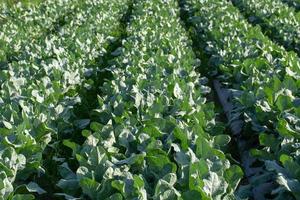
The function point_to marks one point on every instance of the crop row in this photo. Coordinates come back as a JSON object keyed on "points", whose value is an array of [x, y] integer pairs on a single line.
{"points": [[264, 80], [280, 21], [22, 25], [155, 137], [51, 46], [33, 110], [154, 134]]}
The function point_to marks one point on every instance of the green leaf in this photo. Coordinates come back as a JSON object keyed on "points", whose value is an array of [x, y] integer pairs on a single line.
{"points": [[152, 131], [269, 140], [34, 187], [221, 140], [116, 196], [119, 185], [164, 189], [193, 194], [7, 125], [178, 92], [6, 187], [133, 159], [90, 187], [262, 154], [214, 185], [95, 126], [37, 96], [233, 175], [292, 185], [72, 145], [138, 182], [203, 149], [284, 102], [290, 165], [69, 183], [285, 130], [182, 136], [197, 171], [158, 162], [86, 133], [23, 197], [82, 123]]}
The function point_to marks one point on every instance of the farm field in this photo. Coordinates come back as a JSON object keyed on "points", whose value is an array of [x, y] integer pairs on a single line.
{"points": [[149, 99]]}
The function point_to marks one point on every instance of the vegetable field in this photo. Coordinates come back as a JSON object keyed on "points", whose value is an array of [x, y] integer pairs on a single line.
{"points": [[150, 99]]}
